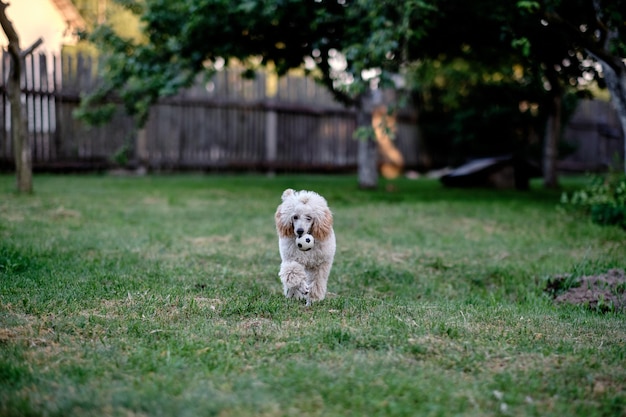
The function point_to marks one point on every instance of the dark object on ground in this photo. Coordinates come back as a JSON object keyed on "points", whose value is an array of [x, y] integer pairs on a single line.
{"points": [[494, 172], [605, 292]]}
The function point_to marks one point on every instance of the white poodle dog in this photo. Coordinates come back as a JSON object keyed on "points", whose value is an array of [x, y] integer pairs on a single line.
{"points": [[304, 271]]}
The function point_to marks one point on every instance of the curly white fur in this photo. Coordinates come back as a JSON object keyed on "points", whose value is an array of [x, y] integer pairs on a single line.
{"points": [[304, 274]]}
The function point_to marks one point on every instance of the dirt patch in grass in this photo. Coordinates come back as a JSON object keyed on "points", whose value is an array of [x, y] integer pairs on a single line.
{"points": [[603, 292], [31, 333]]}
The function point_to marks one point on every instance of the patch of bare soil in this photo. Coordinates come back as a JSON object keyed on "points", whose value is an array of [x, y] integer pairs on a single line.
{"points": [[604, 292]]}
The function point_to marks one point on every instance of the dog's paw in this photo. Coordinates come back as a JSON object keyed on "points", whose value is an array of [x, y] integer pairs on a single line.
{"points": [[300, 292], [295, 293]]}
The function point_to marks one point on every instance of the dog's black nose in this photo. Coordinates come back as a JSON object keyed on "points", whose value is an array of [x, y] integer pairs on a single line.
{"points": [[300, 231]]}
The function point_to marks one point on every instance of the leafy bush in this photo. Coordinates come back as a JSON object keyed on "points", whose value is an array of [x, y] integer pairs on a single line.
{"points": [[604, 199]]}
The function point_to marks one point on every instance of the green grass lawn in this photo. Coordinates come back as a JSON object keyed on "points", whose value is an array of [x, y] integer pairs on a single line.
{"points": [[159, 295]]}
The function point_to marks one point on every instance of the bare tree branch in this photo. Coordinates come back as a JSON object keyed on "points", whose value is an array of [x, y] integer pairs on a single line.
{"points": [[7, 27], [31, 48]]}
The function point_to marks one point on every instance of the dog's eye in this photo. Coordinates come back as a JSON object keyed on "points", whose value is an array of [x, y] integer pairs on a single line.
{"points": [[308, 218], [295, 217]]}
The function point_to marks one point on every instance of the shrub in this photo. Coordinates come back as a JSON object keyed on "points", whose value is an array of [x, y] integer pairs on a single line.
{"points": [[604, 199]]}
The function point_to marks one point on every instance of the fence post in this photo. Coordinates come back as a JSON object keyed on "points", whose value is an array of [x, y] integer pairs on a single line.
{"points": [[141, 149], [271, 122], [367, 152]]}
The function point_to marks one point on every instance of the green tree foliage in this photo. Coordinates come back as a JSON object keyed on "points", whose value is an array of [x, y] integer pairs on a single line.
{"points": [[603, 199], [469, 109], [118, 14], [185, 38], [500, 72], [592, 31]]}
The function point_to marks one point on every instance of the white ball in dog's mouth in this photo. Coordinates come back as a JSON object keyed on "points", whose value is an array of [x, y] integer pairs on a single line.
{"points": [[305, 242]]}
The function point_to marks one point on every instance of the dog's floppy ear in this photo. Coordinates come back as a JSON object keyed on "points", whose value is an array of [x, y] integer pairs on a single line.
{"points": [[283, 224], [287, 193], [323, 226]]}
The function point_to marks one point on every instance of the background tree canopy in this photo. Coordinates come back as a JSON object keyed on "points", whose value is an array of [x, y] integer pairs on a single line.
{"points": [[186, 38], [488, 74]]}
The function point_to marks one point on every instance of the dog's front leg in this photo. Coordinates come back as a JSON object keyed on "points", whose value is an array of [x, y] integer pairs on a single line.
{"points": [[318, 280], [294, 279]]}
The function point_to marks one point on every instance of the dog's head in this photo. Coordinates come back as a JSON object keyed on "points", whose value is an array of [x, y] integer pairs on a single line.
{"points": [[303, 212]]}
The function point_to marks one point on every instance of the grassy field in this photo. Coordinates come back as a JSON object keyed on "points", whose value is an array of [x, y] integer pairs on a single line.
{"points": [[159, 295]]}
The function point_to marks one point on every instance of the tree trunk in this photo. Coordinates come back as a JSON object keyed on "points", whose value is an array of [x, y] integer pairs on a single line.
{"points": [[19, 130], [616, 84], [19, 123], [553, 133], [614, 71], [367, 158], [550, 146]]}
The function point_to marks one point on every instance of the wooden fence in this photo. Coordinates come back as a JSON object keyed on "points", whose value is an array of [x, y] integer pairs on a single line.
{"points": [[594, 134], [227, 123], [230, 122]]}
